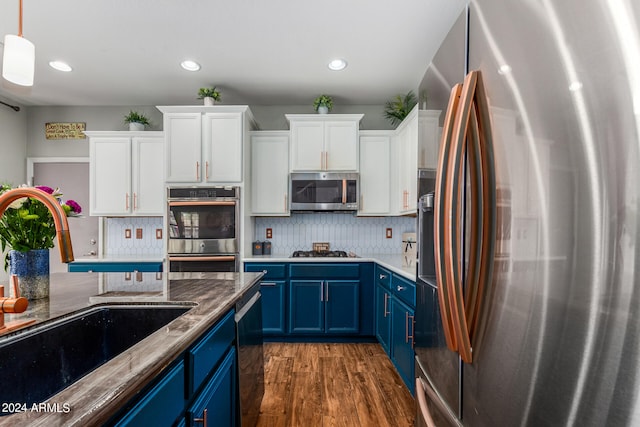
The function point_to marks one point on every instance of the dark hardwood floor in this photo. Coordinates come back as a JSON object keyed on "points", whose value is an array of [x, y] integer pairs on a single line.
{"points": [[333, 384]]}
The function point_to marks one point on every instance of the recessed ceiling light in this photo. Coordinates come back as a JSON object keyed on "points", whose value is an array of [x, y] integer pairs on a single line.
{"points": [[60, 66], [337, 64], [190, 65]]}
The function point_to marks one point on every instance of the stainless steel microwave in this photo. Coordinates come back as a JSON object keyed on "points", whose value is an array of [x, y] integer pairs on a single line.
{"points": [[324, 191]]}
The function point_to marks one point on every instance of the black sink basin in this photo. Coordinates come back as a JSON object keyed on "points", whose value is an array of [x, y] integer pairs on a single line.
{"points": [[42, 361]]}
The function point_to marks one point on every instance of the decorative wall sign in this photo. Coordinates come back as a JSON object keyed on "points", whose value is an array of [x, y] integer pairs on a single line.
{"points": [[65, 130]]}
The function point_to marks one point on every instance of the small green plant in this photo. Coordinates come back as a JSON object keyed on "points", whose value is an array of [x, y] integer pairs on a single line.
{"points": [[397, 109], [135, 117], [209, 92], [323, 100]]}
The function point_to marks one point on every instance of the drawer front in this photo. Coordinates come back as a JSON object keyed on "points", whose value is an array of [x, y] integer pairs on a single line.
{"points": [[404, 289], [273, 271], [324, 271], [162, 404], [205, 355], [218, 397], [383, 277]]}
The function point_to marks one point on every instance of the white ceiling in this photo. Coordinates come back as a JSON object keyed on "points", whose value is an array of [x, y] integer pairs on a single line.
{"points": [[258, 52]]}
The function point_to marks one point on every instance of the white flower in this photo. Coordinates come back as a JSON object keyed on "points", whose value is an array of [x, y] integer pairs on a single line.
{"points": [[17, 204]]}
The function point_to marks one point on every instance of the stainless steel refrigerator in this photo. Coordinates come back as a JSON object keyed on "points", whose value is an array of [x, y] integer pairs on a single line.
{"points": [[554, 336]]}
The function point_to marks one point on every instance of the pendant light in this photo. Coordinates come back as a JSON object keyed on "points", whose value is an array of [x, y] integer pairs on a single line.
{"points": [[19, 57]]}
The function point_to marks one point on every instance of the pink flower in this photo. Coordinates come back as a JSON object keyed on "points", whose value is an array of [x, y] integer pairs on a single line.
{"points": [[75, 207], [46, 189]]}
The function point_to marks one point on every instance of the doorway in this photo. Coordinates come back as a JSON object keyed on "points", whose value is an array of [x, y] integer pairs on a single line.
{"points": [[71, 176]]}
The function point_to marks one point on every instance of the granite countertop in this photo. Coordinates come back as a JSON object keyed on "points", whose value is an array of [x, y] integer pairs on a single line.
{"points": [[393, 262], [97, 396]]}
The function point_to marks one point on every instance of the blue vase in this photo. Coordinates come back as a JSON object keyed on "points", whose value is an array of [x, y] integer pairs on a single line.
{"points": [[32, 269]]}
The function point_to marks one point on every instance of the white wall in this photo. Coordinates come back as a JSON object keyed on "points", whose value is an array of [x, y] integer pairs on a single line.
{"points": [[96, 118], [13, 148]]}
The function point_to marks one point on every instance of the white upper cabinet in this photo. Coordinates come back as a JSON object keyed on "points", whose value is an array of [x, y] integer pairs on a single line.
{"points": [[148, 175], [375, 172], [222, 137], [183, 146], [417, 140], [429, 134], [126, 173], [205, 144], [324, 142], [269, 173]]}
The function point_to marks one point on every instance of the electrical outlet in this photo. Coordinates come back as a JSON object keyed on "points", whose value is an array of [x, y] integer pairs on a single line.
{"points": [[127, 233], [158, 233], [138, 233], [269, 233], [389, 233]]}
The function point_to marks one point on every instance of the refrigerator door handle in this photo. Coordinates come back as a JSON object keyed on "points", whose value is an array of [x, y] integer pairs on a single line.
{"points": [[442, 257], [471, 135], [421, 393]]}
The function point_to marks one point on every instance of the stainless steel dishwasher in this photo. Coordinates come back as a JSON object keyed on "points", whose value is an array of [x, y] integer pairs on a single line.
{"points": [[250, 355]]}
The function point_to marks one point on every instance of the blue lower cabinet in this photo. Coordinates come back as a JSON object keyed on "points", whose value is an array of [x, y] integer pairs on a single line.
{"points": [[324, 307], [342, 307], [306, 306], [202, 383], [216, 403], [273, 307], [402, 333], [162, 404], [273, 288], [383, 316]]}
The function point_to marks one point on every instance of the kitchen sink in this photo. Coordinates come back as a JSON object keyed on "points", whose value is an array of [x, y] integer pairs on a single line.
{"points": [[45, 359]]}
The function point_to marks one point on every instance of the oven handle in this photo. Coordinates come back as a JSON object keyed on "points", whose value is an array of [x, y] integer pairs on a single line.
{"points": [[204, 203], [203, 258]]}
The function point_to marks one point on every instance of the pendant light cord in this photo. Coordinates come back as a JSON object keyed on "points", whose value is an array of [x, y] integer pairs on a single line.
{"points": [[20, 21]]}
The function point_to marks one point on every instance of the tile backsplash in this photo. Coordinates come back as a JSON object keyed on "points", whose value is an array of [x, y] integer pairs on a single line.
{"points": [[117, 244], [362, 235]]}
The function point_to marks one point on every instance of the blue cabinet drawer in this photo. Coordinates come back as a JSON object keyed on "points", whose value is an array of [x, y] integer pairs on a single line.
{"points": [[383, 277], [273, 271], [217, 402], [404, 289], [162, 405], [206, 354], [324, 271]]}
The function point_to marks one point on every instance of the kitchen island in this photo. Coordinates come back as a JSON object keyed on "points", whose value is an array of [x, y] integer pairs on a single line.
{"points": [[96, 397]]}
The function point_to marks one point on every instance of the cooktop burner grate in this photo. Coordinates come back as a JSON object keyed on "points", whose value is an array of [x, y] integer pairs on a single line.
{"points": [[330, 254]]}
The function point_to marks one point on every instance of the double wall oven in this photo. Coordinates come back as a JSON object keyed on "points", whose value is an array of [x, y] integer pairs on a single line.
{"points": [[204, 229]]}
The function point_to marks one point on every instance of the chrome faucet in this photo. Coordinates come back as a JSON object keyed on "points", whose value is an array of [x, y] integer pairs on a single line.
{"points": [[59, 215], [19, 304]]}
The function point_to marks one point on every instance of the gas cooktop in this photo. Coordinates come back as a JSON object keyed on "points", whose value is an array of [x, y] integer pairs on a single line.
{"points": [[330, 254]]}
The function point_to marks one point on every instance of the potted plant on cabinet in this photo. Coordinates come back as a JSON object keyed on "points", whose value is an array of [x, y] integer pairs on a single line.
{"points": [[209, 94], [136, 121], [398, 108], [323, 104]]}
